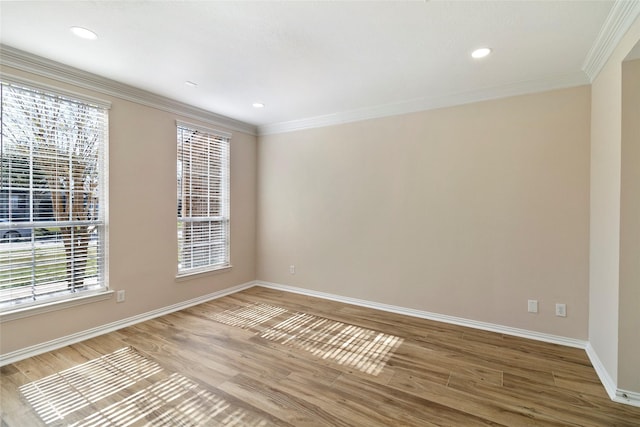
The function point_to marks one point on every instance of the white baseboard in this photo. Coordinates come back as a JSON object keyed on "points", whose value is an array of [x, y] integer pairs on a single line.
{"points": [[615, 394], [37, 349], [606, 380], [507, 330], [627, 397]]}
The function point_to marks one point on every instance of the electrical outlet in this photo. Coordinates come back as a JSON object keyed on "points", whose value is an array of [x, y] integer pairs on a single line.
{"points": [[532, 306], [561, 310], [292, 269], [120, 296]]}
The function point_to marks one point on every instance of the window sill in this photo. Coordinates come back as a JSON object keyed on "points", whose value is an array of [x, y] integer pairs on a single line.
{"points": [[196, 274], [34, 310]]}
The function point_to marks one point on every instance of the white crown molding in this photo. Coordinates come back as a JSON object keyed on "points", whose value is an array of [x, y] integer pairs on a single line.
{"points": [[54, 89], [37, 349], [621, 16], [30, 63], [492, 327], [422, 104]]}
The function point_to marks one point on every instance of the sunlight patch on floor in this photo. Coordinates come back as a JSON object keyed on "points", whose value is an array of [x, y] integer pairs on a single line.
{"points": [[363, 349], [125, 388], [360, 348], [248, 317], [65, 392]]}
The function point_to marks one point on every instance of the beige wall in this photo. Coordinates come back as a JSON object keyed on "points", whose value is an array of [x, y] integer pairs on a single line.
{"points": [[629, 317], [466, 211], [605, 218], [606, 321], [142, 225]]}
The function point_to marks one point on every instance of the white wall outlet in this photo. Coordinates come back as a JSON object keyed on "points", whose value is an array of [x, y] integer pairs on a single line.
{"points": [[561, 310], [120, 296], [292, 269], [532, 306]]}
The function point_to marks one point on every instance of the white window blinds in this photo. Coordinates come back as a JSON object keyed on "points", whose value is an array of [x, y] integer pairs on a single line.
{"points": [[52, 196], [203, 199]]}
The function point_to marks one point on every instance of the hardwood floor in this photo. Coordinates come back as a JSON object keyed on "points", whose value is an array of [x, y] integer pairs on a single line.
{"points": [[263, 357]]}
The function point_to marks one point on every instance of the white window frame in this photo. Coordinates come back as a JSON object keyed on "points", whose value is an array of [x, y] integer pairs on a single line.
{"points": [[74, 295], [202, 251]]}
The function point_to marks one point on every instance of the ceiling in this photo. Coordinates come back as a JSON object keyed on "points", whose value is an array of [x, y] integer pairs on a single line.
{"points": [[311, 60]]}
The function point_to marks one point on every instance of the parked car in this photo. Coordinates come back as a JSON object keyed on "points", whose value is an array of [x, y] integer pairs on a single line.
{"points": [[14, 234], [16, 204]]}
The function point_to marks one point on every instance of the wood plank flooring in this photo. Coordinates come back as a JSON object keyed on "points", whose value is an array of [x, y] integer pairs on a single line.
{"points": [[268, 358]]}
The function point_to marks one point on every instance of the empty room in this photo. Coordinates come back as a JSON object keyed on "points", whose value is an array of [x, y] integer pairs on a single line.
{"points": [[320, 213]]}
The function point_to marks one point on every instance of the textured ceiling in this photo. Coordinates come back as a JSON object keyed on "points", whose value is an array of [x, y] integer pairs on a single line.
{"points": [[313, 59]]}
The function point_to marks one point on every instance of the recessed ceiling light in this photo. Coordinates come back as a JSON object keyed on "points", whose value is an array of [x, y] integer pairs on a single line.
{"points": [[481, 53], [258, 105], [83, 33], [190, 83]]}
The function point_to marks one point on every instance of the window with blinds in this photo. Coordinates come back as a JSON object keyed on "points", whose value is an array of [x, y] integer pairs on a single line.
{"points": [[52, 196], [203, 199]]}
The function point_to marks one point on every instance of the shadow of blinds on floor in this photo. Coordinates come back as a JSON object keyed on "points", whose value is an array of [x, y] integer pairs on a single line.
{"points": [[125, 388], [363, 349]]}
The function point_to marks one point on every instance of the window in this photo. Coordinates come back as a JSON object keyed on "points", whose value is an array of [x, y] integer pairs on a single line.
{"points": [[203, 199], [52, 196]]}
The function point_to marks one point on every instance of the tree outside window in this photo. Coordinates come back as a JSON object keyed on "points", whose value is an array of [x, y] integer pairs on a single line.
{"points": [[51, 195]]}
